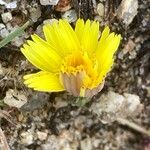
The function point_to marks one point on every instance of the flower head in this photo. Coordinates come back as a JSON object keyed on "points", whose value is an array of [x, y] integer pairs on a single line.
{"points": [[73, 60]]}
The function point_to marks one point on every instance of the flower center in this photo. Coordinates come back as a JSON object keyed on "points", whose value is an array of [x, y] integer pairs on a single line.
{"points": [[81, 66]]}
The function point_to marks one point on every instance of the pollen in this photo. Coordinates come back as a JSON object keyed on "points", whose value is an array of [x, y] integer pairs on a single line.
{"points": [[80, 62]]}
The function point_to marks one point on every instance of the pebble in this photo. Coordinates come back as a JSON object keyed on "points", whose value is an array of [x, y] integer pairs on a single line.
{"points": [[127, 11], [49, 2], [3, 31], [42, 135], [1, 70], [100, 9], [26, 138], [6, 17], [133, 101], [60, 103], [15, 98], [49, 21], [51, 144], [129, 46], [2, 26], [70, 15], [18, 41], [86, 144], [35, 101], [35, 13], [113, 105], [39, 31], [10, 5]]}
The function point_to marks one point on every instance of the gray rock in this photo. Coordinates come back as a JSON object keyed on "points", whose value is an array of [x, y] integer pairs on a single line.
{"points": [[35, 12], [15, 98], [70, 15], [26, 138], [100, 9], [127, 11], [6, 17], [35, 100], [3, 31], [49, 2], [113, 105]]}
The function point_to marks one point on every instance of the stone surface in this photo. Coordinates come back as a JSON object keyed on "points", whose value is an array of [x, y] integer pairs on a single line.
{"points": [[70, 15], [6, 17], [127, 11], [3, 31], [10, 5], [35, 12], [26, 138], [15, 98], [49, 2], [41, 135], [100, 9], [113, 105], [35, 101]]}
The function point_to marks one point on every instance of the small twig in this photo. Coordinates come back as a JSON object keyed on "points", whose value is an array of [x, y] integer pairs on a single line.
{"points": [[7, 116], [4, 141], [133, 126]]}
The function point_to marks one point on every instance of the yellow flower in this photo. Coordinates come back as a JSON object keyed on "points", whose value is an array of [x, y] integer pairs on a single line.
{"points": [[73, 60]]}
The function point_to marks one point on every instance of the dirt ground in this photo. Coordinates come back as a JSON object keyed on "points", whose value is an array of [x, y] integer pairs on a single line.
{"points": [[48, 121]]}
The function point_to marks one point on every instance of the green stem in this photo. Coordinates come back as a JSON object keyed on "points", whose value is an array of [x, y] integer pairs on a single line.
{"points": [[14, 34], [81, 101]]}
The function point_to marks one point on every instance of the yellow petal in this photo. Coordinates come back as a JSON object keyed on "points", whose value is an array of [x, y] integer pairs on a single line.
{"points": [[104, 35], [107, 46], [79, 28], [61, 36], [88, 35], [41, 55], [44, 81]]}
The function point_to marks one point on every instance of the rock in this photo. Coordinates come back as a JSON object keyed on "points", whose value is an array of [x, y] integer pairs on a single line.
{"points": [[113, 105], [129, 46], [42, 135], [6, 17], [51, 144], [18, 41], [86, 144], [2, 26], [49, 2], [15, 98], [100, 9], [26, 138], [50, 21], [35, 12], [127, 11], [39, 31], [10, 5], [132, 102], [35, 100], [70, 15], [59, 102], [1, 70]]}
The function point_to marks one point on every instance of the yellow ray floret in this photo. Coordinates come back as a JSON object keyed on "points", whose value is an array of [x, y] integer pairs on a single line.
{"points": [[43, 81], [73, 60]]}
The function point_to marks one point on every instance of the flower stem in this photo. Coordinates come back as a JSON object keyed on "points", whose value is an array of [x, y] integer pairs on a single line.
{"points": [[81, 101]]}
